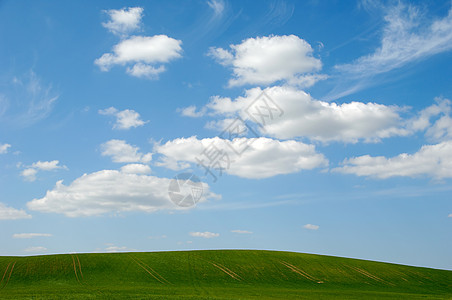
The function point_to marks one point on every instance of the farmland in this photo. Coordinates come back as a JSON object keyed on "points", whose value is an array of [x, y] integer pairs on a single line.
{"points": [[215, 274]]}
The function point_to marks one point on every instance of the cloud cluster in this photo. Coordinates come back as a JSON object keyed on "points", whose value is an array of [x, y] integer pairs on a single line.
{"points": [[259, 157], [269, 59], [305, 117], [29, 174], [121, 152], [109, 191], [144, 56], [125, 119]]}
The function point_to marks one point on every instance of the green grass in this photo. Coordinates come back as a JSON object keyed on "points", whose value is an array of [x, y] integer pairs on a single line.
{"points": [[217, 274]]}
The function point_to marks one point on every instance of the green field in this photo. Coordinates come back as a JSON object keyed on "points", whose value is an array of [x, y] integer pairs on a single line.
{"points": [[216, 274]]}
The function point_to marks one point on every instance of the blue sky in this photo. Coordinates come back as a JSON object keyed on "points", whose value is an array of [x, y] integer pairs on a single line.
{"points": [[343, 113]]}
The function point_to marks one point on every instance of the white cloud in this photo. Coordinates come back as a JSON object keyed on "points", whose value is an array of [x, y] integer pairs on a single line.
{"points": [[450, 216], [146, 54], [190, 111], [113, 248], [109, 191], [407, 36], [217, 6], [121, 152], [145, 71], [123, 21], [206, 235], [47, 165], [262, 158], [36, 249], [422, 121], [241, 231], [125, 119], [136, 169], [311, 227], [9, 213], [304, 116], [431, 160], [29, 173], [4, 148], [30, 235], [268, 59]]}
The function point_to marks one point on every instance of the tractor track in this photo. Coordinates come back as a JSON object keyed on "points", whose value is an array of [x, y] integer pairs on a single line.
{"points": [[149, 270], [9, 276], [300, 272]]}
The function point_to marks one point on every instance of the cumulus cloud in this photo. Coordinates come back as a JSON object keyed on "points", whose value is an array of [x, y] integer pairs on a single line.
{"points": [[311, 227], [109, 191], [29, 174], [10, 213], [190, 111], [121, 152], [258, 157], [125, 119], [144, 56], [302, 116], [269, 59], [431, 160], [206, 235], [241, 231], [4, 148], [136, 169], [123, 21], [30, 235], [435, 120]]}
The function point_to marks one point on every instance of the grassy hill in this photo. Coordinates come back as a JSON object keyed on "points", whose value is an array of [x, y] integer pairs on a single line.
{"points": [[217, 274]]}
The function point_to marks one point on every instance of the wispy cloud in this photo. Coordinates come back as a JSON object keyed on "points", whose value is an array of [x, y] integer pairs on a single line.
{"points": [[36, 249], [217, 6], [26, 100], [408, 35], [30, 235], [241, 231], [206, 235]]}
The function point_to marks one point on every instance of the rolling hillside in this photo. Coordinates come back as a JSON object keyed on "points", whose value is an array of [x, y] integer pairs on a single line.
{"points": [[216, 274]]}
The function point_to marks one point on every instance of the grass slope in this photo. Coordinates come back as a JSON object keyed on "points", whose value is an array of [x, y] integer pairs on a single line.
{"points": [[216, 274]]}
